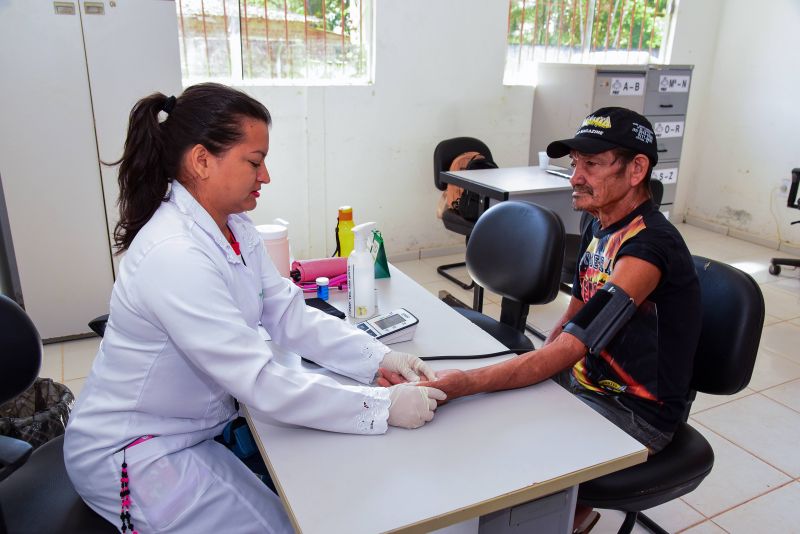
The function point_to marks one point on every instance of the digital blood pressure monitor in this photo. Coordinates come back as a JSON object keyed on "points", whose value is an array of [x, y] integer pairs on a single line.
{"points": [[393, 327]]}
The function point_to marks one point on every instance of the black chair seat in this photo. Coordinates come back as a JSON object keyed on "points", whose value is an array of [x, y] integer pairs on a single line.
{"points": [[456, 223], [502, 332], [39, 497], [676, 470]]}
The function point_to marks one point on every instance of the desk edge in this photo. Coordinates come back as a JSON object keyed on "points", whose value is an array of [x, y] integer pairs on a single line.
{"points": [[275, 480], [528, 494]]}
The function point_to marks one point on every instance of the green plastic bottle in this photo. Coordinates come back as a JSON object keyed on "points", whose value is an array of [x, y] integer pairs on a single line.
{"points": [[344, 232]]}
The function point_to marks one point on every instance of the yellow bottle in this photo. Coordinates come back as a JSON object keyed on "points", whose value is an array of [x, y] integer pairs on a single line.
{"points": [[344, 233]]}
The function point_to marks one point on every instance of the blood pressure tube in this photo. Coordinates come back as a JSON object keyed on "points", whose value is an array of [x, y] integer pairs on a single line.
{"points": [[322, 287]]}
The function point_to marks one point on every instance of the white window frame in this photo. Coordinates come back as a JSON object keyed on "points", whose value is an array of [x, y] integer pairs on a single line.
{"points": [[524, 72], [236, 45]]}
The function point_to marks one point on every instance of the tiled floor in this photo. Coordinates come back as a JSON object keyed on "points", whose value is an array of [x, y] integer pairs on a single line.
{"points": [[755, 484]]}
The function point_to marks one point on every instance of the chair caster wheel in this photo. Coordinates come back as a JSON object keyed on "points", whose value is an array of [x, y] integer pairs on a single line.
{"points": [[774, 269]]}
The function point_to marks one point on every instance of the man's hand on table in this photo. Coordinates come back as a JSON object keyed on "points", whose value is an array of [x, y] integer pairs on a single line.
{"points": [[451, 381], [387, 378]]}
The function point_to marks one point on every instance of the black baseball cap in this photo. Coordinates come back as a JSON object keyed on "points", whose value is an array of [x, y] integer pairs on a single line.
{"points": [[609, 128]]}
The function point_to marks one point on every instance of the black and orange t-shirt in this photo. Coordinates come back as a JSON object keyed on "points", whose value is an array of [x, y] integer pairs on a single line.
{"points": [[649, 362]]}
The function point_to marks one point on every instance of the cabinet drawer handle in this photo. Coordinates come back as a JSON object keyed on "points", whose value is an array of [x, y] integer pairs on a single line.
{"points": [[64, 8], [94, 8], [665, 105]]}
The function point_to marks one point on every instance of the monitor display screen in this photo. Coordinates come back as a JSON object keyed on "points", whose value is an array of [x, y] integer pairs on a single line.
{"points": [[388, 322]]}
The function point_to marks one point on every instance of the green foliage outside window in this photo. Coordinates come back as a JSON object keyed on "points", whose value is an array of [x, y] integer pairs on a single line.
{"points": [[565, 23]]}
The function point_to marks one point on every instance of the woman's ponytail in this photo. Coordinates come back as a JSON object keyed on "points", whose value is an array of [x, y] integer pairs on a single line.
{"points": [[143, 171], [208, 114]]}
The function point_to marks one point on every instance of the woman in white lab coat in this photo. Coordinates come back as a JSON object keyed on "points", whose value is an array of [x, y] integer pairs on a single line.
{"points": [[182, 339]]}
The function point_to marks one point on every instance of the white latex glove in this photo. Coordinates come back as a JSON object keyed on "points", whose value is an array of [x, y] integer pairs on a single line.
{"points": [[407, 365], [412, 406]]}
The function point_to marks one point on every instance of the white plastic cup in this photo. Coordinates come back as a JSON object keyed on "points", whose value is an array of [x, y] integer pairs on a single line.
{"points": [[544, 160], [276, 241]]}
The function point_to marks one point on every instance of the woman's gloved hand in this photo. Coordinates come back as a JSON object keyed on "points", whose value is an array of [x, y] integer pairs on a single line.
{"points": [[412, 406], [407, 365]]}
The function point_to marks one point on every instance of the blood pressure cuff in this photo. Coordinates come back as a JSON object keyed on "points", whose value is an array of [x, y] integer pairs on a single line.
{"points": [[603, 315]]}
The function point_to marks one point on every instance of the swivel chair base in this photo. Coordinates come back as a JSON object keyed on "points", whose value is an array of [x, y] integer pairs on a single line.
{"points": [[442, 269], [775, 264]]}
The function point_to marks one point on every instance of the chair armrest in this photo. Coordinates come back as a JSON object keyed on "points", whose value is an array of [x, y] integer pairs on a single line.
{"points": [[98, 325], [13, 454]]}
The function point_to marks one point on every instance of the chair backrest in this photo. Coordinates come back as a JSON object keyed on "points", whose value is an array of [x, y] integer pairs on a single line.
{"points": [[657, 191], [733, 315], [20, 350], [447, 150], [516, 250]]}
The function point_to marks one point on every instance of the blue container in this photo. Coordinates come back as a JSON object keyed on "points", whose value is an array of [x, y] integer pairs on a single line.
{"points": [[322, 287]]}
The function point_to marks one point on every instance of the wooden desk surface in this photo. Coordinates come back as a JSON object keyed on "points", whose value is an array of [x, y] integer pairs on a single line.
{"points": [[479, 454]]}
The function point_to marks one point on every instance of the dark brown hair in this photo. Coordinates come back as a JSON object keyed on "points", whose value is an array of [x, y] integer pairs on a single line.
{"points": [[626, 155], [207, 114]]}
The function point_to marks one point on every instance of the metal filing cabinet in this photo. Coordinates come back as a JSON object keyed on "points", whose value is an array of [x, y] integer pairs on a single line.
{"points": [[565, 94]]}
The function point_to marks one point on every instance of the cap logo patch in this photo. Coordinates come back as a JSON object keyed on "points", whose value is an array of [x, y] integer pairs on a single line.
{"points": [[598, 122], [642, 133]]}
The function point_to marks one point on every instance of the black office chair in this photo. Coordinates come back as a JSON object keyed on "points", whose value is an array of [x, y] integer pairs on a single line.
{"points": [[573, 241], [791, 202], [98, 325], [36, 494], [515, 250], [443, 156], [733, 315]]}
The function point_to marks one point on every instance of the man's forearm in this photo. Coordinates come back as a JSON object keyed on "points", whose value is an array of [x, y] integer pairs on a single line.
{"points": [[527, 369]]}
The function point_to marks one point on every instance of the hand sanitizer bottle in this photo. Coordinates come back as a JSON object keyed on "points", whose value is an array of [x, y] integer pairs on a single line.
{"points": [[361, 275]]}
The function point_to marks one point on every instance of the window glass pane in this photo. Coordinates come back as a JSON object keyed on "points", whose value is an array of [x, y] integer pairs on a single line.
{"points": [[276, 41], [583, 31]]}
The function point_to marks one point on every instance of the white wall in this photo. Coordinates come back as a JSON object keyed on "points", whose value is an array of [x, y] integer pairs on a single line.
{"points": [[694, 42], [743, 136], [439, 71]]}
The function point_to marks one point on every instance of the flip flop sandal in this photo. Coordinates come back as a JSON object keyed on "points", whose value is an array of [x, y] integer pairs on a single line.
{"points": [[588, 523]]}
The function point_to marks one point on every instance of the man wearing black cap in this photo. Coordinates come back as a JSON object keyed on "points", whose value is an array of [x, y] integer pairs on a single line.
{"points": [[640, 378], [626, 343]]}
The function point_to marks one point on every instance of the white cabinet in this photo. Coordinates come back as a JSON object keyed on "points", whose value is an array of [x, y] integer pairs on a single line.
{"points": [[69, 75]]}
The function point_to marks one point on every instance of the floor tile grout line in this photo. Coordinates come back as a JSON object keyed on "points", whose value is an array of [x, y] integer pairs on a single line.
{"points": [[748, 451], [778, 385], [750, 500], [693, 507], [705, 520], [780, 402], [723, 403]]}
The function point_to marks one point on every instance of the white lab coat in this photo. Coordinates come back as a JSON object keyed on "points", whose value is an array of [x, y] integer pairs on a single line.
{"points": [[181, 340]]}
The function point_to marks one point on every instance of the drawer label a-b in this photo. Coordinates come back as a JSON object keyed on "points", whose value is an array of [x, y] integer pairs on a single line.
{"points": [[627, 86]]}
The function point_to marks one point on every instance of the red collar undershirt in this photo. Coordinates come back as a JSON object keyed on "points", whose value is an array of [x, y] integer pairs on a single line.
{"points": [[234, 244]]}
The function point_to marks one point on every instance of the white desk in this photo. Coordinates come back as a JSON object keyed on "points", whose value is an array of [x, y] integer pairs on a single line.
{"points": [[479, 455], [521, 183]]}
